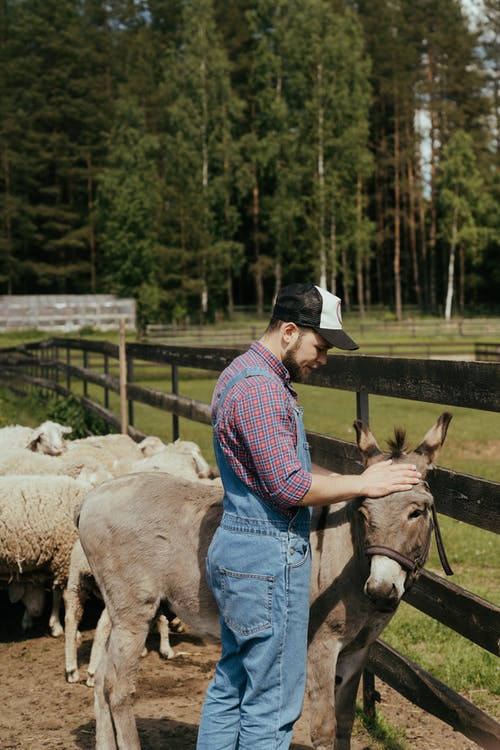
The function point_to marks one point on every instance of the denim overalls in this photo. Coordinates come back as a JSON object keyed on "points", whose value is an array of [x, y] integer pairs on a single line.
{"points": [[258, 567]]}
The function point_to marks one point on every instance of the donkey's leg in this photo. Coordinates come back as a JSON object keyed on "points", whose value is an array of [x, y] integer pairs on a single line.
{"points": [[105, 733], [101, 635], [125, 644], [321, 661], [349, 670]]}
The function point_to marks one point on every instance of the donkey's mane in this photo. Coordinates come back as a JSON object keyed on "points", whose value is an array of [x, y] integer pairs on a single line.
{"points": [[397, 445]]}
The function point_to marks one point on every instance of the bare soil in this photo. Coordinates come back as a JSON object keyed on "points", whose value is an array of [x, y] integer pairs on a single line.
{"points": [[41, 711]]}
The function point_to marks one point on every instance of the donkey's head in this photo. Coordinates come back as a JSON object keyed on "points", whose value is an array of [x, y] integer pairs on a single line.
{"points": [[398, 527]]}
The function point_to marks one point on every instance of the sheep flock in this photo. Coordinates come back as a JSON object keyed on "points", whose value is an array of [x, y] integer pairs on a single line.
{"points": [[43, 479]]}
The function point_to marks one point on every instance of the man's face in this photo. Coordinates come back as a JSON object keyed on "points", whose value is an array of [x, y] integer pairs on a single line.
{"points": [[305, 354]]}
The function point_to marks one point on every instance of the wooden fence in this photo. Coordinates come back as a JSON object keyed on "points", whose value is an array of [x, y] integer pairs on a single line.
{"points": [[65, 313], [470, 499], [463, 331]]}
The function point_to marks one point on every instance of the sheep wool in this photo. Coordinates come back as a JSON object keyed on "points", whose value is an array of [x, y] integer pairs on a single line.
{"points": [[37, 531]]}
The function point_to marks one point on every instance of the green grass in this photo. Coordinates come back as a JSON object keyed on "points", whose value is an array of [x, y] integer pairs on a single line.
{"points": [[456, 661], [386, 736]]}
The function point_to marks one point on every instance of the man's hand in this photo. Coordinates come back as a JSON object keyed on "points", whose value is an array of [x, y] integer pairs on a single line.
{"points": [[385, 477]]}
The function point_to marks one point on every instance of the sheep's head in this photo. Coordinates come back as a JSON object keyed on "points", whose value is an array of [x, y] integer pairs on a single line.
{"points": [[150, 446], [48, 438], [203, 469]]}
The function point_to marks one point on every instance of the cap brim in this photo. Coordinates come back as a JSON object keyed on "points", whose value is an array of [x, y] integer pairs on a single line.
{"points": [[339, 338]]}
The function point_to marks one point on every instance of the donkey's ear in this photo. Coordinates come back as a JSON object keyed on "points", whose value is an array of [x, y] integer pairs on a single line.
{"points": [[434, 439], [367, 443]]}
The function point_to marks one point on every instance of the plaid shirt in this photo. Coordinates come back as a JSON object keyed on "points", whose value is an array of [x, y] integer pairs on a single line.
{"points": [[257, 430]]}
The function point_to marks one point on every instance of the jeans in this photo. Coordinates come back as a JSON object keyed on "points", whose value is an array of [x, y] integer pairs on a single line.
{"points": [[259, 572]]}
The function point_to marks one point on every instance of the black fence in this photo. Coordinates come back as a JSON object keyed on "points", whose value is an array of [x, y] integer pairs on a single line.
{"points": [[51, 365]]}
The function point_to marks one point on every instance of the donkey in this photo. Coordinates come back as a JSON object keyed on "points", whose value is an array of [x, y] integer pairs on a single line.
{"points": [[146, 538]]}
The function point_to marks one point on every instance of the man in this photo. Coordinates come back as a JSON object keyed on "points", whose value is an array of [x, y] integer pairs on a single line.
{"points": [[258, 564]]}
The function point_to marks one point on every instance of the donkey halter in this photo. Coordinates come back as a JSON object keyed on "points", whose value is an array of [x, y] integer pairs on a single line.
{"points": [[414, 567]]}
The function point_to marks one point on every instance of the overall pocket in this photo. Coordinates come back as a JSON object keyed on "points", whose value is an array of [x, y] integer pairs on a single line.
{"points": [[246, 601]]}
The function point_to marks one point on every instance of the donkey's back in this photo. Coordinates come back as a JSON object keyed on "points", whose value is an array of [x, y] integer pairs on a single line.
{"points": [[146, 538]]}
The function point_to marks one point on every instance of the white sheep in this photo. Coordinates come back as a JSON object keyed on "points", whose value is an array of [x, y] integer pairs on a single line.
{"points": [[183, 458], [151, 445], [115, 453], [46, 438], [37, 535], [23, 461], [70, 463]]}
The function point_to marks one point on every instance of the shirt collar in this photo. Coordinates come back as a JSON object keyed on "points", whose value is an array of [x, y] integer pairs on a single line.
{"points": [[274, 364]]}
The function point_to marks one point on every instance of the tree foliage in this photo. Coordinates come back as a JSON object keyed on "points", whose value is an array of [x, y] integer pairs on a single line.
{"points": [[197, 155]]}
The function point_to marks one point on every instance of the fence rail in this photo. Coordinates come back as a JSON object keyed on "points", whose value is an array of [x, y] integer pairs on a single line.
{"points": [[487, 351], [472, 500], [462, 328]]}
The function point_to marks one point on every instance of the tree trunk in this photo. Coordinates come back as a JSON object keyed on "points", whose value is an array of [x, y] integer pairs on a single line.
{"points": [[90, 207], [367, 287], [259, 283], [379, 210], [423, 243], [333, 252], [321, 182], [413, 231], [204, 184], [359, 251], [433, 211], [277, 278], [461, 265], [346, 279], [227, 218], [451, 272], [397, 216], [8, 218]]}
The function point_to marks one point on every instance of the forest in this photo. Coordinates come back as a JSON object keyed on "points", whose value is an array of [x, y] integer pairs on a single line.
{"points": [[198, 154]]}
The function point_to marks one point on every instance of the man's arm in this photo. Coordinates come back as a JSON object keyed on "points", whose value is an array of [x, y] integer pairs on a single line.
{"points": [[377, 480]]}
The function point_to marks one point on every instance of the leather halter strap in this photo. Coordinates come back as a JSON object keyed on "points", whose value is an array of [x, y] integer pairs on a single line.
{"points": [[413, 567]]}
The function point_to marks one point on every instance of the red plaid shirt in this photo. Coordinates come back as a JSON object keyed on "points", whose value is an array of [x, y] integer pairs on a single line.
{"points": [[257, 430]]}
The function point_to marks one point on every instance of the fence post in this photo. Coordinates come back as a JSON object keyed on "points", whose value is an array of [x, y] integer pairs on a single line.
{"points": [[56, 362], [370, 695], [85, 366], [106, 389], [369, 692], [175, 390], [130, 379], [68, 365], [362, 411], [123, 380]]}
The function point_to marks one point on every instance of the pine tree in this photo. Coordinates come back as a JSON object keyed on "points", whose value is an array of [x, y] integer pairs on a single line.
{"points": [[127, 213], [51, 140], [329, 96], [199, 155], [459, 187]]}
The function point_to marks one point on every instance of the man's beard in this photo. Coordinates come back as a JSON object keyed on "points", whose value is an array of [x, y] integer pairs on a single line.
{"points": [[298, 373]]}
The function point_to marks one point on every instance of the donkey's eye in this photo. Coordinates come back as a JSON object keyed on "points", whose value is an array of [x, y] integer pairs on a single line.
{"points": [[416, 513]]}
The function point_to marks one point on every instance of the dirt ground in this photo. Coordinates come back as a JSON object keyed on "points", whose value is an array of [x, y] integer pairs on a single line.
{"points": [[41, 711]]}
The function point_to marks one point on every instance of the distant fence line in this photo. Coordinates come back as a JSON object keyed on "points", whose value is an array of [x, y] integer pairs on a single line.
{"points": [[467, 332], [472, 500], [65, 312]]}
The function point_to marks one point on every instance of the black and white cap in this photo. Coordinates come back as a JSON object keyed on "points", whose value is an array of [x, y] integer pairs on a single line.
{"points": [[313, 307]]}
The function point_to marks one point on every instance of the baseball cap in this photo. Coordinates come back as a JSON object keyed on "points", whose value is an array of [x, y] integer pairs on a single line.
{"points": [[313, 307]]}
